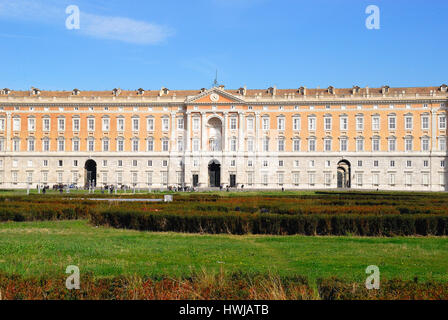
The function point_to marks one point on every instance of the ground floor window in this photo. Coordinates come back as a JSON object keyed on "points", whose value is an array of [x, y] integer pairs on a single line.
{"points": [[296, 178], [425, 179], [376, 179], [311, 179]]}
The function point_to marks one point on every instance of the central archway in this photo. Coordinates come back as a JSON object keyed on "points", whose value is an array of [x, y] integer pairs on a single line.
{"points": [[214, 173], [90, 168], [344, 174]]}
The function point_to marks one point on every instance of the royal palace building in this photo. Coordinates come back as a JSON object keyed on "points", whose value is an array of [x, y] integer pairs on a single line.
{"points": [[364, 138]]}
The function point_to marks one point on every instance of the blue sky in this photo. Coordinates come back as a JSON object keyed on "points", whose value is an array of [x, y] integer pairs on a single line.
{"points": [[258, 43]]}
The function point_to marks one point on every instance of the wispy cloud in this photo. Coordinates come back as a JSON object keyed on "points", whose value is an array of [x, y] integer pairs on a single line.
{"points": [[98, 26]]}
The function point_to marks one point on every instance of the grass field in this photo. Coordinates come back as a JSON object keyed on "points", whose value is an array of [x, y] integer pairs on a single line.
{"points": [[47, 248]]}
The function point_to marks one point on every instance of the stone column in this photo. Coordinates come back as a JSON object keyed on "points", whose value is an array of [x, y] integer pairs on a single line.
{"points": [[187, 129], [224, 131], [203, 132], [241, 131]]}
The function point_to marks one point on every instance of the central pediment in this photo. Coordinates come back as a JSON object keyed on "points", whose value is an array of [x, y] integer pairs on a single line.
{"points": [[214, 95]]}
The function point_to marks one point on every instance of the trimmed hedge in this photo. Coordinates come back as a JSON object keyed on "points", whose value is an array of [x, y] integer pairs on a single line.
{"points": [[214, 223], [336, 289]]}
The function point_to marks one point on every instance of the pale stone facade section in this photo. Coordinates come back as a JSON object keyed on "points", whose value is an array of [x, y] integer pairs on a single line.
{"points": [[364, 138]]}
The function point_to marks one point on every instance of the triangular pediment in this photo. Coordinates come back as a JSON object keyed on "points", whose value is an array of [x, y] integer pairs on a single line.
{"points": [[214, 95]]}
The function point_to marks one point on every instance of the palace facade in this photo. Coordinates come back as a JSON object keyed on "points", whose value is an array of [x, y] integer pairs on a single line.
{"points": [[363, 138]]}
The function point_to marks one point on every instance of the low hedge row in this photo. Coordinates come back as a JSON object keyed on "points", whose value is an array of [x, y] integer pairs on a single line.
{"points": [[214, 223], [336, 289], [43, 213]]}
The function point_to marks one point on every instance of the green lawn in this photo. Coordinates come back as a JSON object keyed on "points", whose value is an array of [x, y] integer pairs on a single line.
{"points": [[47, 248]]}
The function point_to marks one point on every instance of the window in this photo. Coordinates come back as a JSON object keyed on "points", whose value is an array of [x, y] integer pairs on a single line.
{"points": [[250, 163], [327, 144], [165, 145], [392, 123], [165, 124], [359, 163], [91, 145], [60, 163], [76, 124], [376, 163], [149, 163], [31, 124], [266, 123], [408, 179], [280, 178], [311, 179], [45, 177], [408, 164], [376, 144], [360, 144], [250, 145], [2, 124], [344, 123], [120, 144], [376, 123], [150, 124], [392, 163], [392, 144], [61, 144], [31, 145], [281, 145], [425, 144], [343, 144], [61, 124], [408, 123], [134, 163], [265, 144], [296, 123], [296, 178], [359, 123], [91, 124], [376, 179], [250, 123], [104, 163], [149, 178], [312, 144], [119, 177], [196, 124], [120, 124], [232, 163], [180, 144], [104, 177], [2, 144], [180, 123], [442, 143], [150, 145], [327, 123], [425, 179], [296, 145], [135, 124], [425, 163], [250, 178], [442, 122], [327, 179], [408, 144], [196, 145], [105, 145], [106, 124], [265, 163], [46, 145], [233, 144], [442, 164], [45, 163], [281, 163], [135, 145], [425, 123], [281, 123], [265, 179], [233, 123], [16, 145], [311, 163], [16, 124], [312, 123]]}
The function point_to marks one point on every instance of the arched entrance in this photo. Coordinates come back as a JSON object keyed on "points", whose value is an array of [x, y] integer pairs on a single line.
{"points": [[90, 168], [214, 172], [344, 174]]}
